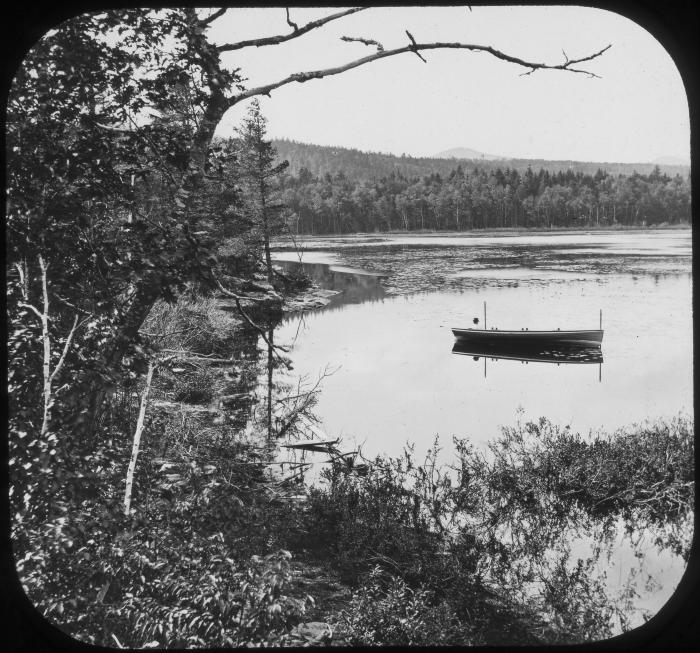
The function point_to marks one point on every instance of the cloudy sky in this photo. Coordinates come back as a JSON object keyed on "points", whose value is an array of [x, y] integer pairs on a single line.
{"points": [[637, 111]]}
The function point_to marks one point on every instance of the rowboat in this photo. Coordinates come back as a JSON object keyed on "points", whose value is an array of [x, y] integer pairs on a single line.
{"points": [[581, 337], [588, 337], [530, 353]]}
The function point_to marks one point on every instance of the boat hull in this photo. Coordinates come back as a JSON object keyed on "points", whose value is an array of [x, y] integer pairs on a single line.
{"points": [[579, 337], [530, 352]]}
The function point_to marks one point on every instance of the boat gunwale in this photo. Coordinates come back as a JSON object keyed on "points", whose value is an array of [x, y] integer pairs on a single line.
{"points": [[525, 332]]}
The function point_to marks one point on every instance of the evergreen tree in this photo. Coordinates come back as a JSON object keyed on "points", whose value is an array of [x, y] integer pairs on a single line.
{"points": [[257, 173]]}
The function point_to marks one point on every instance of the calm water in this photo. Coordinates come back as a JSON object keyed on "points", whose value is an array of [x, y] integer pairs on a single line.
{"points": [[396, 380]]}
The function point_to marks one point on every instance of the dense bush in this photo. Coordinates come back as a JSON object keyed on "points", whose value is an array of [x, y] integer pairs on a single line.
{"points": [[218, 603], [644, 469], [385, 611], [392, 516], [498, 529]]}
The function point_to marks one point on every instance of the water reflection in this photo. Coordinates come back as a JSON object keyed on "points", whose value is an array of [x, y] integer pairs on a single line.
{"points": [[529, 353], [355, 286]]}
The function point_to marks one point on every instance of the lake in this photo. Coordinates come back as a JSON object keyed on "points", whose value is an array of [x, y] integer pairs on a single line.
{"points": [[387, 334], [386, 344]]}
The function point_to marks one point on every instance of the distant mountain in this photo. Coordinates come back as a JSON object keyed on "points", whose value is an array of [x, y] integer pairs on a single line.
{"points": [[467, 153], [355, 164]]}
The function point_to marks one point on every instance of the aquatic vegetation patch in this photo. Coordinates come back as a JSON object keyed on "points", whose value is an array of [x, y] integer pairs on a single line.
{"points": [[507, 529]]}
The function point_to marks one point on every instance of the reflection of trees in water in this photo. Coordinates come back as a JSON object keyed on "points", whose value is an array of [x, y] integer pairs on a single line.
{"points": [[354, 287], [545, 521], [270, 403], [558, 511], [240, 378]]}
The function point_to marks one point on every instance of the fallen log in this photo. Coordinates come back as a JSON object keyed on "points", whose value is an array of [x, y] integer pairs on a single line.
{"points": [[311, 444]]}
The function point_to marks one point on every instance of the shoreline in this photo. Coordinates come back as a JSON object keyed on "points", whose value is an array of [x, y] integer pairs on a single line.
{"points": [[283, 245]]}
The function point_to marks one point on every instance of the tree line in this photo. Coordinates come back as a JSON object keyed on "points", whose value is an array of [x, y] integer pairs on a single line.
{"points": [[482, 199], [358, 164]]}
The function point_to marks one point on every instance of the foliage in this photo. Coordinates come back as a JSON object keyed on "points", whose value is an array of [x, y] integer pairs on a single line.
{"points": [[258, 178], [317, 160], [386, 612], [107, 154], [443, 195], [394, 515], [219, 604], [181, 570], [492, 536], [78, 169], [578, 607], [643, 472]]}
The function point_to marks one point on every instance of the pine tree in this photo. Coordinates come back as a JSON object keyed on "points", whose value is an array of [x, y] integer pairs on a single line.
{"points": [[257, 172]]}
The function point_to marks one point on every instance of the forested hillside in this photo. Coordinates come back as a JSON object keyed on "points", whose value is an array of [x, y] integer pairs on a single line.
{"points": [[320, 159], [484, 195]]}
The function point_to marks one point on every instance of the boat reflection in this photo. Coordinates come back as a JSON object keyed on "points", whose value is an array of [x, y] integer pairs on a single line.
{"points": [[537, 353]]}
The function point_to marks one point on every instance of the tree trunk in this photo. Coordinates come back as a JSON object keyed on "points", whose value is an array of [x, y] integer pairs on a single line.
{"points": [[270, 365], [137, 440], [266, 234]]}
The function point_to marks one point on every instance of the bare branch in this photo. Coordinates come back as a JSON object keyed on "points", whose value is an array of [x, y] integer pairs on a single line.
{"points": [[210, 19], [22, 281], [327, 72], [275, 40], [414, 46], [64, 301], [359, 39], [66, 346], [32, 308], [119, 130], [294, 26]]}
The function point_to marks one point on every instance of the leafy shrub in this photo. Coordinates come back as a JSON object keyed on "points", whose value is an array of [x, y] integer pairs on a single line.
{"points": [[294, 280], [396, 516], [237, 257], [385, 611], [577, 605], [219, 603], [647, 468], [359, 521]]}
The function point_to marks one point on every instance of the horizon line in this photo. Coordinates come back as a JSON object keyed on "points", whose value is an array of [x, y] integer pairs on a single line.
{"points": [[494, 158]]}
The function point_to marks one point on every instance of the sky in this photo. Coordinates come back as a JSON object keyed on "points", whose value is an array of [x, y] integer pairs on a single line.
{"points": [[635, 112]]}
